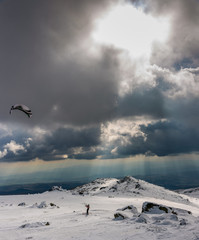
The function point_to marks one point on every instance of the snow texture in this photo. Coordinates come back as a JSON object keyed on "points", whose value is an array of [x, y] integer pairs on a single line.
{"points": [[149, 212]]}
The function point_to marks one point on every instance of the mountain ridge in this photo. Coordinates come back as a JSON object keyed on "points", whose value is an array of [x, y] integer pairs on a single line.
{"points": [[128, 186]]}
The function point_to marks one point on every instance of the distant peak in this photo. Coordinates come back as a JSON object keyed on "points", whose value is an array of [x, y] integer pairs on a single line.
{"points": [[127, 186]]}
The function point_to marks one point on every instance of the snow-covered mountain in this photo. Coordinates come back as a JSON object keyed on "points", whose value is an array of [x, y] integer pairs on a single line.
{"points": [[128, 186], [119, 209]]}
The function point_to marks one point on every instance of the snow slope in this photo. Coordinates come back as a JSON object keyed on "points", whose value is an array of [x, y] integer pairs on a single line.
{"points": [[120, 209], [193, 192], [128, 186]]}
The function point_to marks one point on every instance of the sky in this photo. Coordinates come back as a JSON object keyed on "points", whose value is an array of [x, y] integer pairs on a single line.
{"points": [[109, 80]]}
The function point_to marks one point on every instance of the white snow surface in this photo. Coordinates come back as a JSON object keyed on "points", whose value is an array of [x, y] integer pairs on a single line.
{"points": [[61, 214], [193, 192]]}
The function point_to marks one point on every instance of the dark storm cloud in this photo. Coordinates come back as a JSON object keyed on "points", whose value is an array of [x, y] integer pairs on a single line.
{"points": [[163, 138], [47, 63], [184, 110], [64, 141], [66, 138], [141, 102], [35, 35], [60, 142]]}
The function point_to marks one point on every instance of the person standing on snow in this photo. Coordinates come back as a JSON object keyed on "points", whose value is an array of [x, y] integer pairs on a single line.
{"points": [[87, 208]]}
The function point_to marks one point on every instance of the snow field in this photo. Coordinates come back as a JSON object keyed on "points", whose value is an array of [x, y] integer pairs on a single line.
{"points": [[61, 214]]}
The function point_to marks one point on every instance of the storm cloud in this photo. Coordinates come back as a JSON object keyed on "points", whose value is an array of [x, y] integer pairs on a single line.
{"points": [[162, 139], [43, 62], [92, 100], [59, 144]]}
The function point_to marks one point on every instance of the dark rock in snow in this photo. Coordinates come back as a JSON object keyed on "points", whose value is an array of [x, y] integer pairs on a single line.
{"points": [[120, 216], [52, 205], [125, 179], [56, 188], [149, 207], [131, 208], [183, 222], [42, 205], [154, 208], [35, 225], [102, 188], [114, 188], [22, 204]]}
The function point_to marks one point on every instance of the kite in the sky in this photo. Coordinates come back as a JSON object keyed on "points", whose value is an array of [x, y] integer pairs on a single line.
{"points": [[22, 108]]}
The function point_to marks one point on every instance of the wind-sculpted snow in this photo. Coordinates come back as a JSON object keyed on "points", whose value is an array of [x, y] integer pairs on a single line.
{"points": [[119, 209]]}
